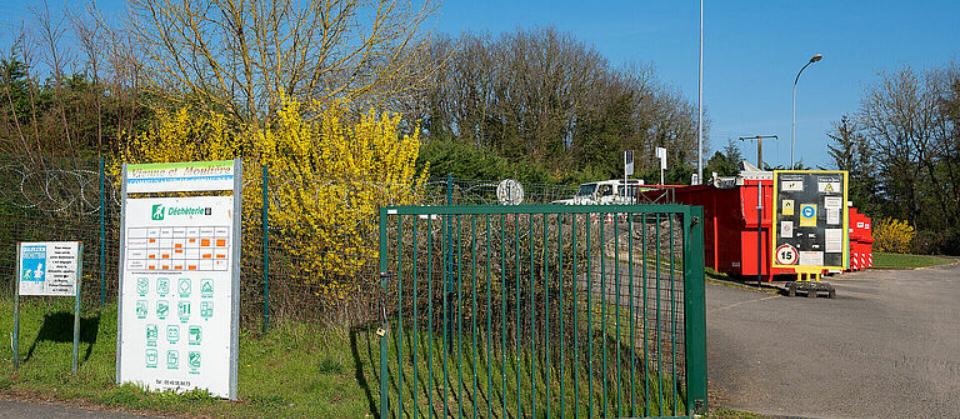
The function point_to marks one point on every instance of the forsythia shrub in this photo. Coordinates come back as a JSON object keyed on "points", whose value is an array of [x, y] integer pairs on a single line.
{"points": [[892, 235], [329, 175]]}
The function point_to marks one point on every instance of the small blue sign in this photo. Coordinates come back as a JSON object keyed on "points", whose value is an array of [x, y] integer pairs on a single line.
{"points": [[33, 262], [808, 211]]}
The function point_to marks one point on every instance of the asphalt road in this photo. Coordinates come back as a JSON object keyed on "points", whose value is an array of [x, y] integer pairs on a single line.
{"points": [[887, 346], [34, 409]]}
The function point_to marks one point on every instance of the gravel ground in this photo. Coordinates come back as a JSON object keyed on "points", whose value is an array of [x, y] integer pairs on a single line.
{"points": [[887, 346]]}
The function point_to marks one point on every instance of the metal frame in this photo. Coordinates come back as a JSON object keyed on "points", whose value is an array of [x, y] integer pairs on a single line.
{"points": [[123, 259], [694, 304], [235, 292], [78, 279]]}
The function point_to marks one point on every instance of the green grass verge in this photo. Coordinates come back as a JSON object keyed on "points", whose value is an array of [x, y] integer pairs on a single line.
{"points": [[883, 260], [303, 370], [295, 370]]}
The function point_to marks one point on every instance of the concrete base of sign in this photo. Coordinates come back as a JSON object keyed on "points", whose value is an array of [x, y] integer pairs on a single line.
{"points": [[811, 289]]}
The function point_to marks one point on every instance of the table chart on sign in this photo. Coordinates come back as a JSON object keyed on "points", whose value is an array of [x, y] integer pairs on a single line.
{"points": [[178, 248]]}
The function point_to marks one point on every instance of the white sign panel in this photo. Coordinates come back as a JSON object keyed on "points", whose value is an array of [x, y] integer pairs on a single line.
{"points": [[833, 240], [48, 268], [786, 229], [662, 155], [829, 187], [180, 177], [177, 318], [791, 185], [811, 258]]}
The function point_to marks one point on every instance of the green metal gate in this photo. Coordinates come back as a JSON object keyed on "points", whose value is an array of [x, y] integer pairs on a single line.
{"points": [[542, 310]]}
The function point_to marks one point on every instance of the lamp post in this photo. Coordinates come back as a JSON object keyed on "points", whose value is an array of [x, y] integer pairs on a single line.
{"points": [[700, 105], [793, 129]]}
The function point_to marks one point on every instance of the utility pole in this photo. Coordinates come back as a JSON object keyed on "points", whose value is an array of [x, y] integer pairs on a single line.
{"points": [[759, 140]]}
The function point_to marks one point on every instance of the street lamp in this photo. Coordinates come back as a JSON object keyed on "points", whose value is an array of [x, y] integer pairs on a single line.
{"points": [[700, 105], [793, 130]]}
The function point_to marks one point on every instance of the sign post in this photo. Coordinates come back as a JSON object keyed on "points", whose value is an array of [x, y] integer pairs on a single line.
{"points": [[662, 155], [48, 269], [810, 221], [178, 321]]}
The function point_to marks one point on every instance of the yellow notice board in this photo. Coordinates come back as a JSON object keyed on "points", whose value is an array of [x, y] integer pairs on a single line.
{"points": [[810, 220]]}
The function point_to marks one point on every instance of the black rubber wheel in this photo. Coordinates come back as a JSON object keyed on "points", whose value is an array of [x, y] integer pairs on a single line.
{"points": [[833, 293]]}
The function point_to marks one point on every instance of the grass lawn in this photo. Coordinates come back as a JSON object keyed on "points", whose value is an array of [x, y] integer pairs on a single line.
{"points": [[296, 370], [883, 260], [303, 370]]}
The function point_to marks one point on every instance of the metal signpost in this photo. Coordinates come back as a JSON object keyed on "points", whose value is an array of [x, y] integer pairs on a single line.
{"points": [[48, 269], [809, 228], [179, 277], [662, 155]]}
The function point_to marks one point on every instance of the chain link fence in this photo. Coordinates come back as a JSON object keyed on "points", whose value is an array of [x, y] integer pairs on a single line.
{"points": [[79, 199]]}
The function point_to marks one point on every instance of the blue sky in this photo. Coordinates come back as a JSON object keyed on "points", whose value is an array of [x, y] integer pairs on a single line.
{"points": [[753, 50]]}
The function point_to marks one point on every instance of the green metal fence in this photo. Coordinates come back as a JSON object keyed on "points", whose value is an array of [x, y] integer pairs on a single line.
{"points": [[542, 310]]}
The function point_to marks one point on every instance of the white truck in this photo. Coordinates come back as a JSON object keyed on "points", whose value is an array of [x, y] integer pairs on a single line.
{"points": [[606, 192]]}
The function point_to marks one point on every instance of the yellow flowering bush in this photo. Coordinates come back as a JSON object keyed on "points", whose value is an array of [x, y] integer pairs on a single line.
{"points": [[329, 175], [893, 235]]}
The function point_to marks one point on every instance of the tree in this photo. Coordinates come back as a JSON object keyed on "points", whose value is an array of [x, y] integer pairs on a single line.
{"points": [[725, 162], [850, 152], [907, 162], [244, 57], [542, 97], [56, 102]]}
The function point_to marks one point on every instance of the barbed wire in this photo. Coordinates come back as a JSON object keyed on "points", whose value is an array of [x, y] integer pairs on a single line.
{"points": [[53, 190], [77, 191]]}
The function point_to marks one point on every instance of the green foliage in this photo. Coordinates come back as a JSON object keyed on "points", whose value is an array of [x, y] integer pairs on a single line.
{"points": [[851, 152], [724, 162], [445, 155]]}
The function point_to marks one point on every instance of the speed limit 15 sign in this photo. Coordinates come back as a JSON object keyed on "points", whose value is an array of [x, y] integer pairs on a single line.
{"points": [[787, 255]]}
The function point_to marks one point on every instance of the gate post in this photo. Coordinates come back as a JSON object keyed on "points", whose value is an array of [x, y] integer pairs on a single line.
{"points": [[448, 260], [695, 317], [384, 396]]}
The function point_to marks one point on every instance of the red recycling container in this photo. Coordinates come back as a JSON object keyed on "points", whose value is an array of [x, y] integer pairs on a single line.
{"points": [[731, 220]]}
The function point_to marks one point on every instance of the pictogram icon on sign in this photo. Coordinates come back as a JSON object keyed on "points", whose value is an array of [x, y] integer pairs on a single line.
{"points": [[808, 215]]}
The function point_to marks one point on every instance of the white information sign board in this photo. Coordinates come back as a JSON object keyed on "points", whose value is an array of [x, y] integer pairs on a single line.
{"points": [[48, 268], [179, 294]]}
